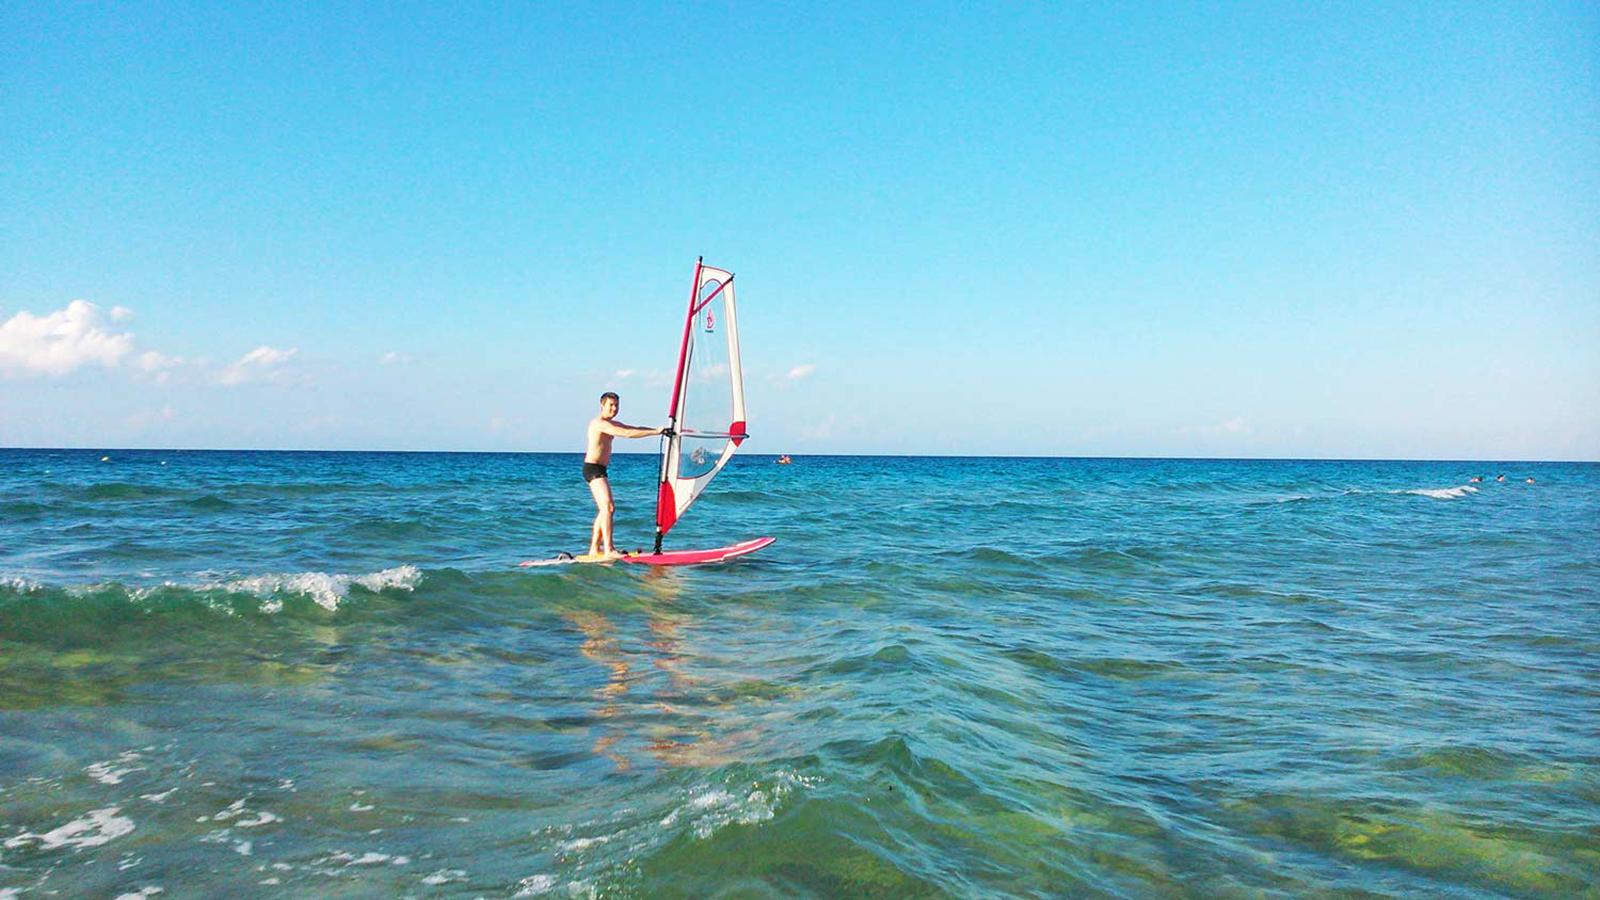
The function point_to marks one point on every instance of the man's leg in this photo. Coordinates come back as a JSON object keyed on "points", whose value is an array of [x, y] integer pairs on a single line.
{"points": [[600, 536]]}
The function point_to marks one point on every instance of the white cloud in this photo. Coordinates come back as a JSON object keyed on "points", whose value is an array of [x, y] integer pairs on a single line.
{"points": [[394, 358], [622, 374], [151, 361], [1235, 425], [782, 380], [267, 356], [156, 365], [261, 364], [121, 314], [60, 342]]}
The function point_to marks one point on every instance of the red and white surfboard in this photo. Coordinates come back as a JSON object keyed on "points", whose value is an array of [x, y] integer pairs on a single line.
{"points": [[697, 557], [665, 558]]}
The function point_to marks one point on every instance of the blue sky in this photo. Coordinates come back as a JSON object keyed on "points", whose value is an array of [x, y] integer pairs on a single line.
{"points": [[1240, 230]]}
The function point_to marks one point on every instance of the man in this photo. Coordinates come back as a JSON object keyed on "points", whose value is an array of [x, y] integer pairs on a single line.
{"points": [[596, 456]]}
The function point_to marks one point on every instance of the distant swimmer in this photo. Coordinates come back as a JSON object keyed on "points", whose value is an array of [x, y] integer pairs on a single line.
{"points": [[1475, 479], [596, 456], [1530, 479], [784, 460], [1500, 478]]}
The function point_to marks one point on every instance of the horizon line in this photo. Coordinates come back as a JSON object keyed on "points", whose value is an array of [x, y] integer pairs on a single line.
{"points": [[814, 455]]}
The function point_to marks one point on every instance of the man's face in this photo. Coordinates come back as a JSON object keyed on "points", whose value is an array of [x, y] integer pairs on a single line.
{"points": [[608, 408]]}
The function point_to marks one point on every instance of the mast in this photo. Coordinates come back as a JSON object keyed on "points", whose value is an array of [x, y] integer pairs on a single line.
{"points": [[665, 502]]}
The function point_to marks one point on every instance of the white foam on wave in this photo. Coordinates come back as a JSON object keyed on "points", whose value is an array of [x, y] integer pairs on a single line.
{"points": [[1453, 493], [577, 844], [346, 859], [326, 589], [112, 771], [378, 859], [709, 808], [585, 850], [247, 817], [534, 885], [137, 594], [238, 815], [100, 826]]}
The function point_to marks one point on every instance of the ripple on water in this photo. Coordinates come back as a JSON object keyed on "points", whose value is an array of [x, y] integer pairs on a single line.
{"points": [[1155, 684]]}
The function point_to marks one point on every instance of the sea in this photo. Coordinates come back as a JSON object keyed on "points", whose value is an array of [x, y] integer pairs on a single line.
{"points": [[307, 674]]}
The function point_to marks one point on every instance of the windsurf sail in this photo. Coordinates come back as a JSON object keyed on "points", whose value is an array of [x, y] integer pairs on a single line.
{"points": [[707, 411]]}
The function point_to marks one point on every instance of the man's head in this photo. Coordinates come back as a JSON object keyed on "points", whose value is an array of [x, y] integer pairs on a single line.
{"points": [[609, 404]]}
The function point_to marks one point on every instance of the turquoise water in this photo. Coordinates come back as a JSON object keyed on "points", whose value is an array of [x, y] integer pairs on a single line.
{"points": [[306, 674]]}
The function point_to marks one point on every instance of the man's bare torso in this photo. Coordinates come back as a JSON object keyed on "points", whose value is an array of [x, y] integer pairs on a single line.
{"points": [[598, 449]]}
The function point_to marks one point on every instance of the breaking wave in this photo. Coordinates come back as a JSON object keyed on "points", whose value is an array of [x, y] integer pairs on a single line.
{"points": [[1451, 493], [267, 593]]}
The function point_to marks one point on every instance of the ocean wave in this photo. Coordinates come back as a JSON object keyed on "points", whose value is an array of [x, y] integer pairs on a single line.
{"points": [[1451, 493], [1444, 493], [705, 808], [22, 509], [325, 589], [208, 503], [96, 827], [19, 585], [587, 852], [122, 490]]}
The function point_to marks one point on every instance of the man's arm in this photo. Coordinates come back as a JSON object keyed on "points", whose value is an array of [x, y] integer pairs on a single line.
{"points": [[618, 429]]}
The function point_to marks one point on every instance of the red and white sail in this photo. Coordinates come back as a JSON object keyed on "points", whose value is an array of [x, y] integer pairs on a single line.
{"points": [[707, 411]]}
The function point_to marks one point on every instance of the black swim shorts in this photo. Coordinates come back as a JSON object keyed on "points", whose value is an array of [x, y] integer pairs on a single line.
{"points": [[591, 471]]}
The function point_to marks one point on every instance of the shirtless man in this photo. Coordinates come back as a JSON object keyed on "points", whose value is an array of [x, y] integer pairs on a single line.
{"points": [[596, 456]]}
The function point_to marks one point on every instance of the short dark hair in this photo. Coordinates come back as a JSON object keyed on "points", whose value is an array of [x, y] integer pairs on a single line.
{"points": [[610, 395]]}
